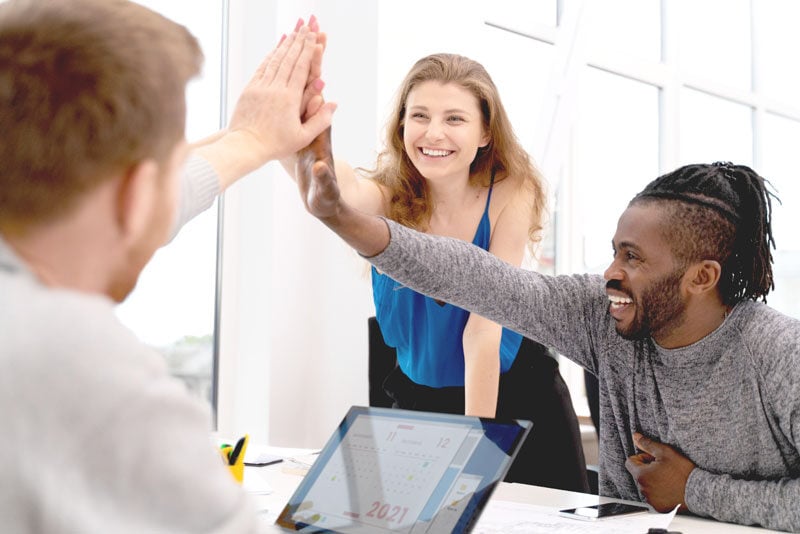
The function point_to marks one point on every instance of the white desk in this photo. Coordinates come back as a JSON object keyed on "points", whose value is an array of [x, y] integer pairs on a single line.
{"points": [[285, 483]]}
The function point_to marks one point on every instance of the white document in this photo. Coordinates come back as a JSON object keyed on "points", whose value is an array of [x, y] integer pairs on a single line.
{"points": [[254, 483], [505, 517]]}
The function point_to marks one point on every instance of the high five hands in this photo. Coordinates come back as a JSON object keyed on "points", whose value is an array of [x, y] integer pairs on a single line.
{"points": [[661, 473], [279, 111], [316, 178]]}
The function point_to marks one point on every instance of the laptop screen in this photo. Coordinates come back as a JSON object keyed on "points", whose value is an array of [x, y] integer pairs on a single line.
{"points": [[388, 470]]}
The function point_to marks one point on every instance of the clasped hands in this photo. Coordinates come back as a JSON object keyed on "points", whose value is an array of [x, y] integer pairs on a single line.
{"points": [[660, 472]]}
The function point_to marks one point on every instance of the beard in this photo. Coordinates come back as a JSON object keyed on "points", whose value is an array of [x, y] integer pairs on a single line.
{"points": [[659, 309]]}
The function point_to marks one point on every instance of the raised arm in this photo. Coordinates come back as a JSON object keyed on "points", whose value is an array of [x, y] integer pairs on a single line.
{"points": [[458, 272], [267, 123], [316, 180]]}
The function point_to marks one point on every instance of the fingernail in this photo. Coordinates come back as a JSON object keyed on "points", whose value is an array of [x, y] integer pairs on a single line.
{"points": [[318, 84], [298, 25]]}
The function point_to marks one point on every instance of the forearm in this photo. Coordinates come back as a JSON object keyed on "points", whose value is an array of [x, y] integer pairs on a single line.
{"points": [[319, 188], [769, 503], [367, 234], [482, 372], [232, 157], [207, 140]]}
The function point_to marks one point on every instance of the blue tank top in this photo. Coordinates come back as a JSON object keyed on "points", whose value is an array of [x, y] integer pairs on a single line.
{"points": [[427, 334]]}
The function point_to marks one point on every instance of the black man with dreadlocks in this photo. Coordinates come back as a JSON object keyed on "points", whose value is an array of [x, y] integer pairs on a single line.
{"points": [[699, 382]]}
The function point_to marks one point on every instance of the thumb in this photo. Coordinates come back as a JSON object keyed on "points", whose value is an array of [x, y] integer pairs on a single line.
{"points": [[646, 444], [322, 198], [320, 120], [322, 171]]}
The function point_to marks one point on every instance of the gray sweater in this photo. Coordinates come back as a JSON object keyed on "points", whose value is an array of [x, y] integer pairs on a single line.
{"points": [[730, 402]]}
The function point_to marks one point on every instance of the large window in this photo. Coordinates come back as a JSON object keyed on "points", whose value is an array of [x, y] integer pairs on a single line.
{"points": [[173, 306], [651, 85]]}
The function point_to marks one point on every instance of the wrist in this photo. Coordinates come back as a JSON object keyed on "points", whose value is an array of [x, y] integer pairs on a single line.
{"points": [[234, 155]]}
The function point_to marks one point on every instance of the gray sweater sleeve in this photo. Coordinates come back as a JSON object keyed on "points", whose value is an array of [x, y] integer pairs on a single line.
{"points": [[570, 314], [567, 313], [199, 188], [773, 504]]}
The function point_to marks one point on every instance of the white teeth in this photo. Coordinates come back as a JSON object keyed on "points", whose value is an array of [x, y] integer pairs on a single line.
{"points": [[619, 300], [437, 153]]}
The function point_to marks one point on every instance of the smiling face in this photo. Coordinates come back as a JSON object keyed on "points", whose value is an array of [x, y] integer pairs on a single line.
{"points": [[443, 130], [644, 281]]}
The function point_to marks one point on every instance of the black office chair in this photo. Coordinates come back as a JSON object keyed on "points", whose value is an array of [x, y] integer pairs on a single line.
{"points": [[593, 397], [382, 361], [553, 454]]}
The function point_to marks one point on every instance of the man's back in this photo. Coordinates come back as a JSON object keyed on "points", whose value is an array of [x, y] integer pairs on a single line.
{"points": [[81, 400]]}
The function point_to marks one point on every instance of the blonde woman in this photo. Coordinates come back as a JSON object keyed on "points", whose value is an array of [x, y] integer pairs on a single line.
{"points": [[452, 166]]}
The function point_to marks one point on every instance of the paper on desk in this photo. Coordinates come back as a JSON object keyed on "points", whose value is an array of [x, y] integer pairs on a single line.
{"points": [[254, 483], [505, 517]]}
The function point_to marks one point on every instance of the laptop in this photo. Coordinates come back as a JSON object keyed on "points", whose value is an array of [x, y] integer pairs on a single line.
{"points": [[398, 471]]}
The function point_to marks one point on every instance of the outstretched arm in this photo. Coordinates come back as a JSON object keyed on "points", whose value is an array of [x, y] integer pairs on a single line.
{"points": [[362, 193], [316, 180]]}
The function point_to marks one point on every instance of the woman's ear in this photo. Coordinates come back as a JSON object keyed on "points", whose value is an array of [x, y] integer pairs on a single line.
{"points": [[704, 276], [136, 198]]}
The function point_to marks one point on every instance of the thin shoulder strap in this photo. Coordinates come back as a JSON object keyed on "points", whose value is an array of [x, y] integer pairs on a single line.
{"points": [[489, 196]]}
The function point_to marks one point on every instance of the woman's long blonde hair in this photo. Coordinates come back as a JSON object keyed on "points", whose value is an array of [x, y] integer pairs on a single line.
{"points": [[409, 197]]}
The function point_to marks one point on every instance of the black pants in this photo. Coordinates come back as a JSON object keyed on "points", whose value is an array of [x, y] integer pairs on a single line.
{"points": [[532, 389]]}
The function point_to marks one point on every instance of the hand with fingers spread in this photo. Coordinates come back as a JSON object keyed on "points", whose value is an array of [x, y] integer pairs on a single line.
{"points": [[271, 119], [312, 101], [312, 97], [661, 473]]}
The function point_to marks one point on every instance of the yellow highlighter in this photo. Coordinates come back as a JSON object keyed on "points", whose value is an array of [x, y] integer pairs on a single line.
{"points": [[236, 458], [225, 451]]}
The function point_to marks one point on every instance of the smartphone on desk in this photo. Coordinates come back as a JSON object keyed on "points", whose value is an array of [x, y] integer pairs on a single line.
{"points": [[601, 511]]}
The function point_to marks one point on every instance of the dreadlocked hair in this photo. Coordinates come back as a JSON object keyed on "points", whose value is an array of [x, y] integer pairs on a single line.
{"points": [[720, 212]]}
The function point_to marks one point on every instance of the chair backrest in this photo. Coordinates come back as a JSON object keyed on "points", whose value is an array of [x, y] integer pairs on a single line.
{"points": [[382, 361]]}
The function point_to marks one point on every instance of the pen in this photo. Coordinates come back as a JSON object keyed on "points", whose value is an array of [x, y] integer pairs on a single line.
{"points": [[238, 450]]}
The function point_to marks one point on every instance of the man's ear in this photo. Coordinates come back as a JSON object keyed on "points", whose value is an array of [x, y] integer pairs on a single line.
{"points": [[135, 195], [703, 276]]}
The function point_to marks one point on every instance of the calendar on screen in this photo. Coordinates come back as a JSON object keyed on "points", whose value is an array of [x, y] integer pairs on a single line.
{"points": [[401, 471]]}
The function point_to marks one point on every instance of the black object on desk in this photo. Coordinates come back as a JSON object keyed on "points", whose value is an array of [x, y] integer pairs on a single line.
{"points": [[264, 459]]}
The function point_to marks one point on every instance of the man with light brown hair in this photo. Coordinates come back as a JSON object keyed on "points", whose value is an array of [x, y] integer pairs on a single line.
{"points": [[92, 113]]}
